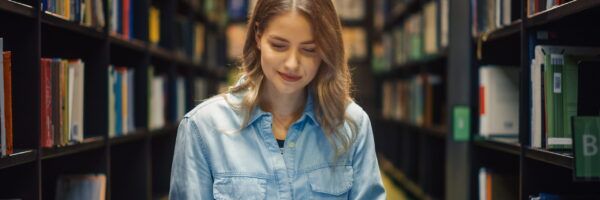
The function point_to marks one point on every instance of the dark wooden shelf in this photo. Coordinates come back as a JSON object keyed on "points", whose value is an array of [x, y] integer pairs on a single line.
{"points": [[160, 52], [498, 145], [353, 23], [137, 135], [512, 29], [166, 130], [428, 63], [554, 158], [54, 21], [402, 13], [19, 157], [133, 44], [17, 8], [435, 131], [88, 144], [560, 12]]}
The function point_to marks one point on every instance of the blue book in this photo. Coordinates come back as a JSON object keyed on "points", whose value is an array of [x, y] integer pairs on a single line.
{"points": [[118, 103]]}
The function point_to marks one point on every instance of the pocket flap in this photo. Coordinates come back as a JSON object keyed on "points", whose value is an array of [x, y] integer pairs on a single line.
{"points": [[331, 180]]}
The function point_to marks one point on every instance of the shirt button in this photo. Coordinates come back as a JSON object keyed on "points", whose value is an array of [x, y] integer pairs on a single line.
{"points": [[291, 145]]}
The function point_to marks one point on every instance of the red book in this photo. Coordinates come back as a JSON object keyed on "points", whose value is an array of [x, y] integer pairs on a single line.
{"points": [[8, 101], [125, 16], [46, 104]]}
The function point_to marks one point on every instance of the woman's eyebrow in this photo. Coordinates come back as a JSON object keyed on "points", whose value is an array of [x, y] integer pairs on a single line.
{"points": [[284, 40]]}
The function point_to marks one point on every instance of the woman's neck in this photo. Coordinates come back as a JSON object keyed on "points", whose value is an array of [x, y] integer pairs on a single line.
{"points": [[285, 107]]}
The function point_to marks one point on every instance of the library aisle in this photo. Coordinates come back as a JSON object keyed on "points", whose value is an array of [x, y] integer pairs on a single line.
{"points": [[468, 99]]}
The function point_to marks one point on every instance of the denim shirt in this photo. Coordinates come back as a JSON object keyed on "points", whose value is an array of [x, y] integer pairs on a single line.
{"points": [[216, 158]]}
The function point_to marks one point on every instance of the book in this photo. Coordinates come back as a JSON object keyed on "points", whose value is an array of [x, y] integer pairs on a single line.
{"points": [[494, 185], [236, 35], [84, 12], [181, 101], [554, 92], [2, 110], [61, 103], [489, 15], [157, 93], [154, 25], [7, 125], [46, 127], [498, 101], [85, 186], [237, 9], [350, 9], [355, 42], [7, 67], [430, 13], [121, 100]]}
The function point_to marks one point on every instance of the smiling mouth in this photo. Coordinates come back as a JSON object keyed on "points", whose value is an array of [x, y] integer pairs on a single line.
{"points": [[288, 77]]}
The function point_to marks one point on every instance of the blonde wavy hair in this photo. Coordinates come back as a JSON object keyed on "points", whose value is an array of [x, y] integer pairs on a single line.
{"points": [[331, 86]]}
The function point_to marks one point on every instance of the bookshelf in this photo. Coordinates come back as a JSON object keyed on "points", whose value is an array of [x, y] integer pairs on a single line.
{"points": [[412, 149], [137, 163], [508, 44], [537, 170]]}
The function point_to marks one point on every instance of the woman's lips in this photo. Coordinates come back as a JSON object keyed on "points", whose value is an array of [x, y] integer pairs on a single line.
{"points": [[289, 77]]}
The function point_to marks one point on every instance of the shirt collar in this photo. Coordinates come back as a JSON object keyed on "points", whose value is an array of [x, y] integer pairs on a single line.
{"points": [[308, 112]]}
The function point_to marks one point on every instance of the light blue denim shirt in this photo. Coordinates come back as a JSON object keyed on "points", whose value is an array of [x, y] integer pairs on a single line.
{"points": [[215, 158]]}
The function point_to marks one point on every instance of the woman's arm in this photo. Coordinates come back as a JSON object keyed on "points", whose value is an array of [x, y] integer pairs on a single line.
{"points": [[367, 180], [190, 175]]}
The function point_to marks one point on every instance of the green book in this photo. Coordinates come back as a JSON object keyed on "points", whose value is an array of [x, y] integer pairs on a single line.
{"points": [[587, 157]]}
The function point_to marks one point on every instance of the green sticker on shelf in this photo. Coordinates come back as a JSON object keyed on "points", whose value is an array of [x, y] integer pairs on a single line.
{"points": [[586, 136], [461, 123]]}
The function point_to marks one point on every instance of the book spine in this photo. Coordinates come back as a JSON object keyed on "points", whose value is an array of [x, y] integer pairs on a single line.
{"points": [[8, 101]]}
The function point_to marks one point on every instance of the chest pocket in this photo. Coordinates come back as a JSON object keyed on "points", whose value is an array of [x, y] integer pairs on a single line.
{"points": [[227, 188], [331, 182]]}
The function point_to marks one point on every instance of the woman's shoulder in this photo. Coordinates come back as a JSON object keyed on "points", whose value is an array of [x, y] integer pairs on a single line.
{"points": [[216, 112], [356, 113]]}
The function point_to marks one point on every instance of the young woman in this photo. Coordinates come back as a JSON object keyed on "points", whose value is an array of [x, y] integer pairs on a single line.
{"points": [[288, 129]]}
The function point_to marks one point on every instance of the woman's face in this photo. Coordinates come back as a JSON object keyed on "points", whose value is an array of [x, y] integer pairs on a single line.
{"points": [[289, 57]]}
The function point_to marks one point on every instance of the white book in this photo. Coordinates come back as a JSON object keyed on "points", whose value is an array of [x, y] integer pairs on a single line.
{"points": [[482, 184], [158, 103], [507, 9], [499, 106], [431, 25], [444, 22], [71, 87], [180, 97], [2, 114], [78, 97]]}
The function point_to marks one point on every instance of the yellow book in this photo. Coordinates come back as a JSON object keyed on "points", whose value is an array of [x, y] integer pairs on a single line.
{"points": [[124, 109], [154, 25], [67, 10]]}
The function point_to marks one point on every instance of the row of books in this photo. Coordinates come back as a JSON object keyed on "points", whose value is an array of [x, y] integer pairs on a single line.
{"points": [[489, 15], [6, 101], [85, 12], [355, 42], [61, 102], [562, 79], [351, 10], [121, 101], [497, 185], [421, 35], [189, 38], [81, 186], [121, 17], [536, 6], [419, 100]]}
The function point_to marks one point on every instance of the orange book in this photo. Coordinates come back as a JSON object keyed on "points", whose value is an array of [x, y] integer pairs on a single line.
{"points": [[8, 101]]}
